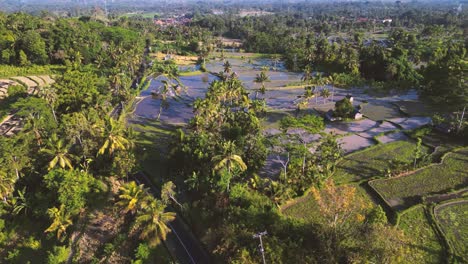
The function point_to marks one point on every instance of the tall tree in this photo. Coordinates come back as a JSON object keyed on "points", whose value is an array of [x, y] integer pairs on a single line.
{"points": [[114, 138], [228, 161], [58, 150], [153, 221], [261, 78], [132, 196]]}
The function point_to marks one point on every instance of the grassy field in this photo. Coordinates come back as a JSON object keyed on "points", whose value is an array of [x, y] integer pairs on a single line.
{"points": [[424, 244], [7, 71], [145, 15], [191, 73], [453, 220], [152, 147], [303, 207], [371, 162], [306, 208], [380, 111], [402, 192]]}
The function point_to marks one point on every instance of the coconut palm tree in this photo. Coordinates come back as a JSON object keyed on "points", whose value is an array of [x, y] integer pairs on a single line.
{"points": [[276, 59], [7, 184], [261, 78], [114, 137], [61, 220], [163, 92], [59, 151], [331, 80], [325, 93], [131, 196], [227, 68], [153, 221], [33, 125], [49, 94], [228, 160], [307, 76]]}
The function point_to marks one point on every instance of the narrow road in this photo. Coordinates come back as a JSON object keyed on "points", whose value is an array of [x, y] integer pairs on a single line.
{"points": [[181, 241]]}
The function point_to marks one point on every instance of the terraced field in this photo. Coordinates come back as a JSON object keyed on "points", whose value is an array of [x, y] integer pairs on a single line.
{"points": [[402, 192], [371, 162], [453, 220], [424, 244], [306, 208]]}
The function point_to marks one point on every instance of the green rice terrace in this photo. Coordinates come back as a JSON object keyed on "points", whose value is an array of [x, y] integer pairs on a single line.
{"points": [[432, 237], [405, 191], [452, 217]]}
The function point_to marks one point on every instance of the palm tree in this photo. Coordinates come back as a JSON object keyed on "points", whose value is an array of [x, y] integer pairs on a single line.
{"points": [[227, 67], [332, 81], [303, 102], [20, 203], [7, 184], [168, 193], [49, 94], [325, 93], [261, 78], [131, 196], [33, 125], [153, 222], [228, 160], [307, 76], [61, 220], [114, 138], [163, 93], [276, 60], [59, 151]]}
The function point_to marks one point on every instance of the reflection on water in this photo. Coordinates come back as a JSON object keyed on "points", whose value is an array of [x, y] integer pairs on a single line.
{"points": [[180, 109]]}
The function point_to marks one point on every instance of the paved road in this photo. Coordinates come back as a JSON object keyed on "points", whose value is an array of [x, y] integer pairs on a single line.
{"points": [[180, 241]]}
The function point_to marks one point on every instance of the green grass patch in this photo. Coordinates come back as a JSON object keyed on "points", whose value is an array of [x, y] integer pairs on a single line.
{"points": [[244, 55], [7, 71], [425, 246], [272, 119], [152, 143], [305, 207], [191, 73], [144, 15], [380, 111], [453, 220], [403, 192], [371, 162]]}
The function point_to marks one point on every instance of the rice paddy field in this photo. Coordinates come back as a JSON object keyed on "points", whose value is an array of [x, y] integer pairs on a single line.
{"points": [[405, 191], [452, 218], [424, 244], [371, 162], [305, 207]]}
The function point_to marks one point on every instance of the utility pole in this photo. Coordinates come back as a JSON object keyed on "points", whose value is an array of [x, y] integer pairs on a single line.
{"points": [[259, 235]]}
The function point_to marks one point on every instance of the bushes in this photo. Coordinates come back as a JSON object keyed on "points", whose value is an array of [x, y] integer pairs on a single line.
{"points": [[17, 90], [347, 80], [311, 123], [58, 256], [344, 108]]}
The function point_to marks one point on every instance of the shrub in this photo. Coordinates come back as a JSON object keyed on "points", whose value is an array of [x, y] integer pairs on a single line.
{"points": [[344, 108], [17, 90], [58, 256]]}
